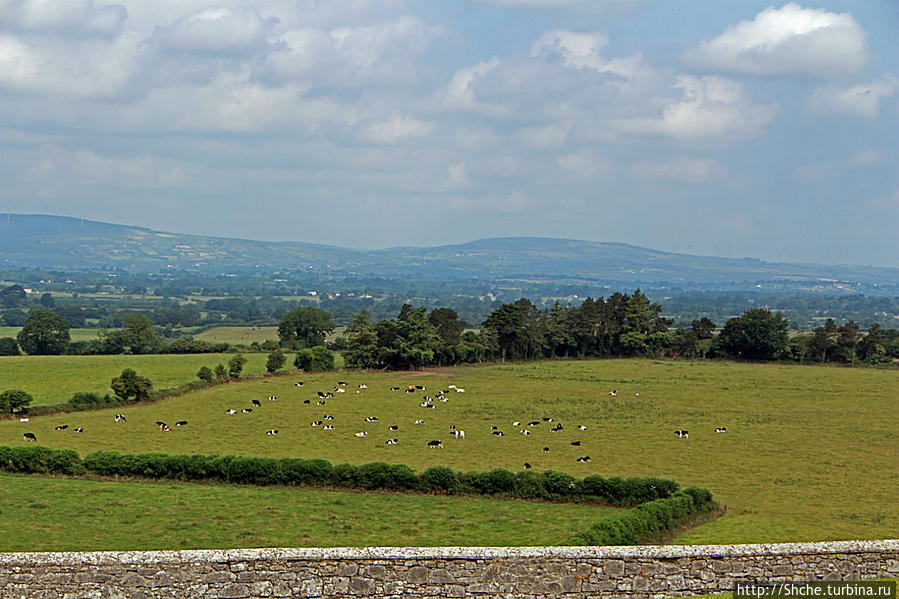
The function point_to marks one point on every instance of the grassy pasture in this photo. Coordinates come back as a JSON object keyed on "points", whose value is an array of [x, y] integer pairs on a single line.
{"points": [[75, 334], [810, 454], [54, 379], [238, 335], [41, 513]]}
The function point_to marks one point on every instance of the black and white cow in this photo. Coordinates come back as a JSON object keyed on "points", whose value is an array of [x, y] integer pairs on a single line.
{"points": [[682, 434], [274, 431], [583, 459], [435, 444], [120, 418], [29, 437], [181, 423], [257, 403], [721, 429]]}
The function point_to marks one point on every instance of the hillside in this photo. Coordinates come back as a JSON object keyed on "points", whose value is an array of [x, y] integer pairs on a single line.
{"points": [[62, 242]]}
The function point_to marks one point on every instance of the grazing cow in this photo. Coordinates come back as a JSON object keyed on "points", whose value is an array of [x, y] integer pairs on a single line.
{"points": [[545, 419], [363, 386], [328, 427], [394, 428], [527, 466], [120, 418], [556, 428], [533, 423], [576, 443], [329, 394], [307, 401], [371, 419], [256, 402], [62, 427], [327, 417], [682, 434], [585, 458], [360, 434], [460, 390], [451, 387], [546, 450], [29, 437], [721, 429], [458, 434], [320, 402], [419, 421], [410, 390], [298, 384], [165, 427], [26, 419], [613, 393], [231, 412], [516, 423], [420, 387], [342, 383], [452, 427], [339, 390], [525, 431], [316, 423], [394, 388], [321, 394], [392, 441], [499, 433], [581, 427], [494, 428], [78, 430], [274, 431], [426, 405], [435, 444], [443, 399], [247, 410], [159, 423], [273, 398], [181, 423]]}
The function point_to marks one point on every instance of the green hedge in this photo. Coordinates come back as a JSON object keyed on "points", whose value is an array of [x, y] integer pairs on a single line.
{"points": [[647, 521], [43, 460], [529, 484]]}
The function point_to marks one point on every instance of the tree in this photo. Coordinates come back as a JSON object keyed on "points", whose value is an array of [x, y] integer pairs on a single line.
{"points": [[235, 365], [759, 334], [315, 358], [204, 374], [703, 328], [44, 334], [12, 296], [138, 335], [14, 317], [276, 360], [362, 342], [221, 372], [129, 385], [47, 300], [512, 330], [13, 400], [306, 326], [9, 347]]}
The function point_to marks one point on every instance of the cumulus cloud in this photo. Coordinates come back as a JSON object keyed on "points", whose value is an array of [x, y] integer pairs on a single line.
{"points": [[858, 100], [460, 89], [397, 128], [583, 50], [593, 5], [69, 17], [684, 168], [216, 30], [704, 108], [791, 40]]}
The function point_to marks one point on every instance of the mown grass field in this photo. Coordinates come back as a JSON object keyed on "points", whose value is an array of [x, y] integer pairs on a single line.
{"points": [[238, 335], [810, 453], [54, 379], [58, 514], [74, 334]]}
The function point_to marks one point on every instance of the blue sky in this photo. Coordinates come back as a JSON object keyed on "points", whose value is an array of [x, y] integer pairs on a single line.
{"points": [[729, 128]]}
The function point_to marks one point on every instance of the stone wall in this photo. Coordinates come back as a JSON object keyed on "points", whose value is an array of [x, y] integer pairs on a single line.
{"points": [[484, 572]]}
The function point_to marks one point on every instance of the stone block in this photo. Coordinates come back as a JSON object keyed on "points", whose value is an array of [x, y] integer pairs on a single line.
{"points": [[232, 590]]}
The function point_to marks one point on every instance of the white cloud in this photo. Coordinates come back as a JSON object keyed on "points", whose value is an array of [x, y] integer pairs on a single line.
{"points": [[68, 17], [704, 108], [791, 40], [592, 5], [460, 88], [684, 168], [397, 128], [216, 30], [583, 50], [85, 167], [859, 100]]}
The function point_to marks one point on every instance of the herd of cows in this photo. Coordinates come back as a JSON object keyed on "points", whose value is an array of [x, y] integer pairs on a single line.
{"points": [[427, 402]]}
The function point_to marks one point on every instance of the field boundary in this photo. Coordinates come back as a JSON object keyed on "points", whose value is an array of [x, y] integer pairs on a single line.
{"points": [[527, 572]]}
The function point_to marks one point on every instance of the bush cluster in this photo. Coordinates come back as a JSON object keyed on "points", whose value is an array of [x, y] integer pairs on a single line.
{"points": [[548, 485], [647, 521], [43, 460]]}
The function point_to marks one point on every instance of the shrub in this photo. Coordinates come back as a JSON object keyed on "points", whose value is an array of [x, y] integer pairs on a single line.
{"points": [[205, 374], [235, 365], [87, 400], [13, 400], [37, 459], [306, 472], [9, 347], [439, 478], [531, 485], [495, 482], [275, 361], [314, 359], [345, 475]]}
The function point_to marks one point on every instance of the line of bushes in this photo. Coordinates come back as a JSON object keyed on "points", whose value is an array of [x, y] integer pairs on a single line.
{"points": [[528, 484], [648, 521]]}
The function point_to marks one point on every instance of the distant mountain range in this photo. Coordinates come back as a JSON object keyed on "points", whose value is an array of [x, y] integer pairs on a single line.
{"points": [[33, 240]]}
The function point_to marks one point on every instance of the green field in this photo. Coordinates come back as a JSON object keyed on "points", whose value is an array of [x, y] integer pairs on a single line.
{"points": [[54, 379], [41, 513], [810, 452], [238, 335], [74, 334]]}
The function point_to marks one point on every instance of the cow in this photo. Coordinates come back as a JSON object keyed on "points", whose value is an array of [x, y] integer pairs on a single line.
{"points": [[29, 437], [546, 450], [394, 427], [682, 434], [273, 398], [360, 434], [581, 427], [120, 418], [392, 441], [584, 459], [533, 423], [458, 434], [181, 423], [307, 401], [165, 427], [327, 417], [328, 427], [525, 431], [363, 386], [613, 393], [321, 394], [450, 386], [78, 430], [247, 410], [556, 428], [339, 390], [721, 429], [576, 443], [62, 427], [257, 403], [230, 412], [410, 390], [420, 387], [527, 466], [394, 388], [444, 399], [274, 431], [298, 384], [435, 444], [341, 383], [545, 419], [25, 419], [419, 421], [315, 423], [499, 433], [460, 390], [371, 419], [516, 423], [320, 402]]}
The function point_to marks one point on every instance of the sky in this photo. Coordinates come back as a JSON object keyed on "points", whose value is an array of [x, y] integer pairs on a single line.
{"points": [[714, 127]]}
